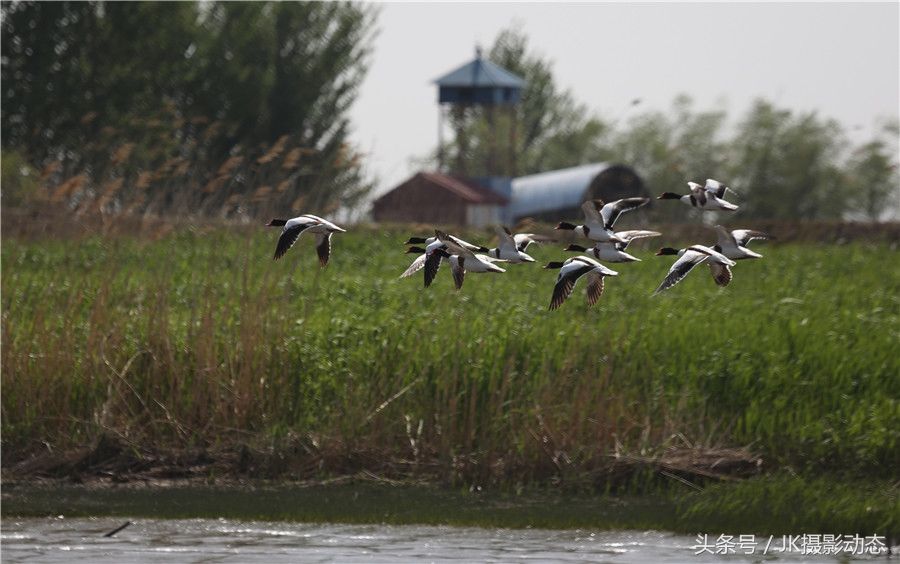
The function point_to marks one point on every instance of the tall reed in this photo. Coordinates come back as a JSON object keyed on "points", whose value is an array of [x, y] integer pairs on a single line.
{"points": [[199, 340]]}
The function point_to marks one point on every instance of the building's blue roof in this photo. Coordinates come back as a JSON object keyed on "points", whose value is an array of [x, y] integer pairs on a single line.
{"points": [[480, 73], [554, 190]]}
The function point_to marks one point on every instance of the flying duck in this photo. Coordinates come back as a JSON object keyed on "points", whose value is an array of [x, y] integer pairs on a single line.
{"points": [[462, 259], [573, 269], [525, 239], [717, 188], [689, 258], [430, 240], [615, 252], [733, 244], [599, 218], [512, 247], [708, 197], [293, 228], [429, 259]]}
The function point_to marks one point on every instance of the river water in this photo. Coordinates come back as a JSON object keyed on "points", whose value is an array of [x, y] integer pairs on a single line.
{"points": [[212, 540]]}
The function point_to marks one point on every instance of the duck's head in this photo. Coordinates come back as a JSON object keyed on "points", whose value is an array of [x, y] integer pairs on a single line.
{"points": [[418, 250], [667, 251], [554, 265], [416, 241], [276, 223], [566, 225], [669, 196], [577, 248]]}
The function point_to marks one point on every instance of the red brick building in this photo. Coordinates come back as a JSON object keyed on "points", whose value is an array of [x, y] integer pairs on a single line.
{"points": [[440, 199]]}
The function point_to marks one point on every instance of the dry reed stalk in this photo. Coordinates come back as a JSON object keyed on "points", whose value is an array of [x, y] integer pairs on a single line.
{"points": [[393, 398], [214, 129], [182, 168], [143, 180], [261, 194], [52, 168], [206, 357], [68, 188], [471, 428], [121, 154], [227, 168], [274, 151], [299, 202], [160, 174], [215, 184], [292, 159], [109, 190], [88, 118], [136, 204], [173, 163]]}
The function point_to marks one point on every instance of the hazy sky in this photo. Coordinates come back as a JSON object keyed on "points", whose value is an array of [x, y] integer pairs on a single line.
{"points": [[842, 60]]}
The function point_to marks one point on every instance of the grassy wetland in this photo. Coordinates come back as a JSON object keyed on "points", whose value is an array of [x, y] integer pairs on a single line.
{"points": [[190, 353]]}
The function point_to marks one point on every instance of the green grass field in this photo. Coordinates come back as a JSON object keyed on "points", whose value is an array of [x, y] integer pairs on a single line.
{"points": [[198, 339]]}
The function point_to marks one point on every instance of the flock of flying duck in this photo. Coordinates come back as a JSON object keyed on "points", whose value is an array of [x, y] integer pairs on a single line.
{"points": [[599, 219]]}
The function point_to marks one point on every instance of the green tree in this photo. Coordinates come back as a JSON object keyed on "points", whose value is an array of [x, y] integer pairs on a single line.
{"points": [[670, 148], [786, 166], [551, 129], [65, 61], [872, 178], [200, 107]]}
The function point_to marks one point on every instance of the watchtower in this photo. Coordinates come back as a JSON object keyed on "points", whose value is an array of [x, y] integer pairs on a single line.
{"points": [[483, 86]]}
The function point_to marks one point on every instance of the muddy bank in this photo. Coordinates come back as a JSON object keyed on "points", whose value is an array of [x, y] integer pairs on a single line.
{"points": [[110, 460]]}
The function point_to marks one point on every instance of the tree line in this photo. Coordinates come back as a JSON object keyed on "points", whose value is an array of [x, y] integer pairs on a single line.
{"points": [[240, 108], [786, 164], [217, 107]]}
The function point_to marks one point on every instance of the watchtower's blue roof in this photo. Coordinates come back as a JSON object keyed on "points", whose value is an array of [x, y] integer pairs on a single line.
{"points": [[480, 73]]}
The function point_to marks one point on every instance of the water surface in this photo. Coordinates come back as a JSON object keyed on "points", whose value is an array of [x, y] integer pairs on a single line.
{"points": [[221, 540]]}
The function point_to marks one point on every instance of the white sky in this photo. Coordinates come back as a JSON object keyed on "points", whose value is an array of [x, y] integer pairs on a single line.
{"points": [[840, 59]]}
